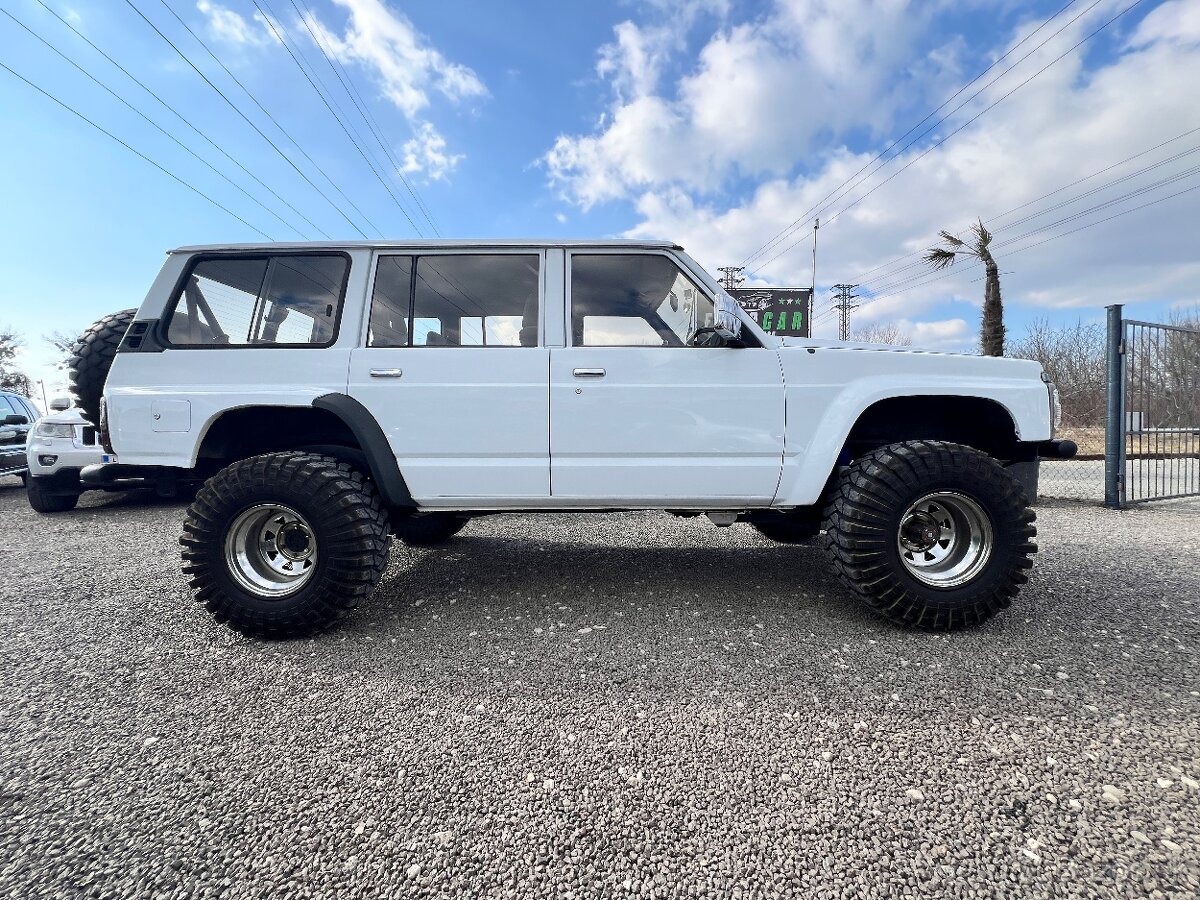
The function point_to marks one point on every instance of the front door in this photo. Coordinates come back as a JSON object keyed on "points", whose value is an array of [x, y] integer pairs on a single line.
{"points": [[640, 416], [452, 370]]}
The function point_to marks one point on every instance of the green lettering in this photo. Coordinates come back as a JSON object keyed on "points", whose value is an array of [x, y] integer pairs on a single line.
{"points": [[797, 321], [766, 320]]}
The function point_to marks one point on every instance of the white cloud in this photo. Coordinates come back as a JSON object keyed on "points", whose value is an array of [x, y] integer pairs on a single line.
{"points": [[1070, 121], [387, 45], [232, 27], [426, 154], [758, 97]]}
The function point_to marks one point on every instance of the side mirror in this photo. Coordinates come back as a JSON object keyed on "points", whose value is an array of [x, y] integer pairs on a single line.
{"points": [[725, 321], [726, 330], [11, 419], [60, 404]]}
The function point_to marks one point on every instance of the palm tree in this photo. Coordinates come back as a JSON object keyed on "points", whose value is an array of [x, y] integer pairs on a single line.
{"points": [[991, 329]]}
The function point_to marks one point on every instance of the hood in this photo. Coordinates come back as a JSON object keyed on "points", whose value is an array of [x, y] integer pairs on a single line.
{"points": [[1026, 367], [70, 416]]}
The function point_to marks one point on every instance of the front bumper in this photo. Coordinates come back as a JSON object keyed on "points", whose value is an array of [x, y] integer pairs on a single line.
{"points": [[1057, 449], [50, 455]]}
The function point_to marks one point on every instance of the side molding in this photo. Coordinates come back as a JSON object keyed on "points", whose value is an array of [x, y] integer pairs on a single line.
{"points": [[371, 438]]}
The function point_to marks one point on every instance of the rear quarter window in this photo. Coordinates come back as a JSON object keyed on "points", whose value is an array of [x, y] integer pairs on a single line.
{"points": [[259, 300]]}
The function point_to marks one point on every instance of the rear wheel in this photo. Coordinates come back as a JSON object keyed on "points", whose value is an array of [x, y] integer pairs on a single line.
{"points": [[930, 534], [427, 529], [285, 544], [44, 499]]}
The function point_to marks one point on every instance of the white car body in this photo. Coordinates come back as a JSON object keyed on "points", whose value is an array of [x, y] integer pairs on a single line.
{"points": [[484, 428], [62, 441]]}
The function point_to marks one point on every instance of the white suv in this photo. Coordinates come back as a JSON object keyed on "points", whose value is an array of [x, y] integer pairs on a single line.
{"points": [[331, 393], [61, 445]]}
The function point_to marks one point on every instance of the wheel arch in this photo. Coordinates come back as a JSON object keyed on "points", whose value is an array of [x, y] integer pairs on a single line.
{"points": [[980, 422], [333, 424]]}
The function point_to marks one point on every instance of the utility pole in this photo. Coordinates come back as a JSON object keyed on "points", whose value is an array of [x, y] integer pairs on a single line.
{"points": [[845, 293], [731, 276], [812, 296]]}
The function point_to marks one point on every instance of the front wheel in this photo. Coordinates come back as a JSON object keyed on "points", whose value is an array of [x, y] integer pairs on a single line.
{"points": [[44, 499], [931, 534], [285, 544]]}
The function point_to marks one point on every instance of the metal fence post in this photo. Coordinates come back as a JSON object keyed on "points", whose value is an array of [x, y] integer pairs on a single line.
{"points": [[1114, 420]]}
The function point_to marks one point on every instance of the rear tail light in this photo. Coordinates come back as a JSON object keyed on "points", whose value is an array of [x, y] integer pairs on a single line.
{"points": [[105, 438]]}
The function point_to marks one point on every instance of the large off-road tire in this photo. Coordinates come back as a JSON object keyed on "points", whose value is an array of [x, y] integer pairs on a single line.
{"points": [[285, 544], [427, 529], [92, 357], [931, 534], [46, 500]]}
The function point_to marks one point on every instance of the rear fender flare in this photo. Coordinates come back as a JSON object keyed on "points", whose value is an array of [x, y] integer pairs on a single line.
{"points": [[380, 459]]}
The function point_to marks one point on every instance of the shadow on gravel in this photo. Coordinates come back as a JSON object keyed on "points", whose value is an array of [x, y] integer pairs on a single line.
{"points": [[545, 578]]}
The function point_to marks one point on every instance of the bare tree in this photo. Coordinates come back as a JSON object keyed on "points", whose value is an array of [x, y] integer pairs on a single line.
{"points": [[11, 378], [883, 333], [62, 342], [991, 329], [1073, 355]]}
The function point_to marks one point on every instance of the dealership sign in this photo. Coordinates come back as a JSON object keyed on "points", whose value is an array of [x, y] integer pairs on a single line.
{"points": [[781, 311]]}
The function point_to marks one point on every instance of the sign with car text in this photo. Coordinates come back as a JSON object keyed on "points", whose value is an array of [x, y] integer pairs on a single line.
{"points": [[777, 310]]}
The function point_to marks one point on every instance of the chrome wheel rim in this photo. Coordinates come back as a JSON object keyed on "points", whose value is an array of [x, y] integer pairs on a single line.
{"points": [[270, 550], [945, 539]]}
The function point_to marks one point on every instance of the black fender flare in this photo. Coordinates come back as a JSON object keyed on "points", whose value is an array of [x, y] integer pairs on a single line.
{"points": [[378, 452]]}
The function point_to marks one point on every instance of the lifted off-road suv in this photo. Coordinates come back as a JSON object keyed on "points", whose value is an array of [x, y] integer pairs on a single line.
{"points": [[333, 393]]}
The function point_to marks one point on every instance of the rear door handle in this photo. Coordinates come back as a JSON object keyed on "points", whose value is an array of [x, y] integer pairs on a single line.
{"points": [[589, 373], [386, 373]]}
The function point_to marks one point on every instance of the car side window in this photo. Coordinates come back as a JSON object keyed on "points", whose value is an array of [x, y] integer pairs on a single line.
{"points": [[279, 300], [6, 408], [455, 300], [634, 300]]}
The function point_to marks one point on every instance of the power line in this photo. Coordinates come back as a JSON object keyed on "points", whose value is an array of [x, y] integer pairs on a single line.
{"points": [[138, 112], [987, 108], [360, 104], [888, 269], [912, 283], [182, 118], [270, 20], [783, 233], [1071, 218], [137, 153], [246, 118], [981, 113]]}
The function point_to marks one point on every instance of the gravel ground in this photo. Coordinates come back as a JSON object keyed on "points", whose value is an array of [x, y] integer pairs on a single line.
{"points": [[623, 705]]}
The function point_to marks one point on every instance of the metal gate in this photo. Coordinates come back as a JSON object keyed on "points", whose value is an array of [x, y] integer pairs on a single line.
{"points": [[1152, 429]]}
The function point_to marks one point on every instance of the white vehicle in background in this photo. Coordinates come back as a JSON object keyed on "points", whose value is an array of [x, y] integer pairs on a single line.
{"points": [[60, 445], [331, 393]]}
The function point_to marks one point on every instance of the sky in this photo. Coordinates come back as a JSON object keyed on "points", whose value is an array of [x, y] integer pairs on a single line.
{"points": [[1070, 128]]}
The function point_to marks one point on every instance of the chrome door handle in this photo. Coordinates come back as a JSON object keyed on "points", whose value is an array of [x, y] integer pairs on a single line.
{"points": [[589, 373], [386, 373]]}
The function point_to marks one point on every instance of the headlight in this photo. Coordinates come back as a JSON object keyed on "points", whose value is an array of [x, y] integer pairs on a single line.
{"points": [[1055, 404], [54, 430]]}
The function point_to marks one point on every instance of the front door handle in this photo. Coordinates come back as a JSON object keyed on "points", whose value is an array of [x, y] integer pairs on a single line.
{"points": [[589, 373], [386, 373]]}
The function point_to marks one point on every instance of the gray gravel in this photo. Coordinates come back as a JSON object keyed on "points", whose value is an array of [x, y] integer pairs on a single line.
{"points": [[623, 705]]}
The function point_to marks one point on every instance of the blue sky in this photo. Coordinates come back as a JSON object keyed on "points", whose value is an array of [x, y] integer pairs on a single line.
{"points": [[710, 122]]}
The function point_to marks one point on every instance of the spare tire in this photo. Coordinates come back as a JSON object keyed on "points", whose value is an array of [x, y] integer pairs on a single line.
{"points": [[92, 357]]}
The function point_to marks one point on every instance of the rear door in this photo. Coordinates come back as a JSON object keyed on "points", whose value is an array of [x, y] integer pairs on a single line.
{"points": [[453, 369]]}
